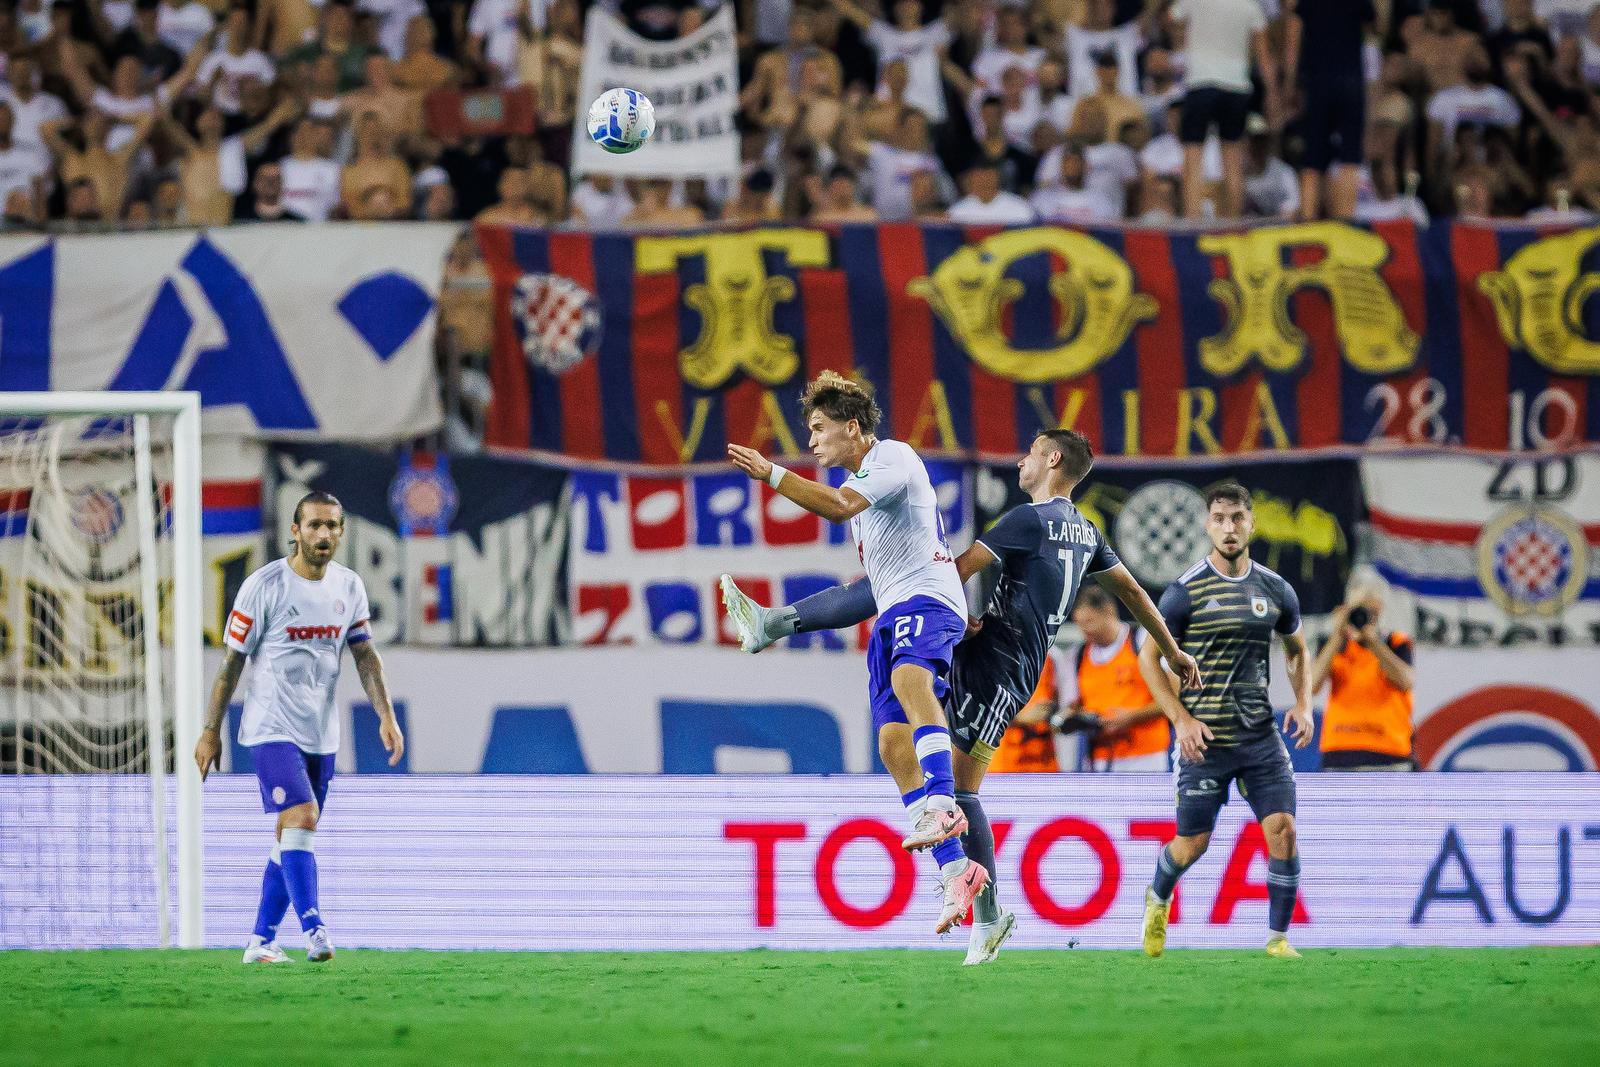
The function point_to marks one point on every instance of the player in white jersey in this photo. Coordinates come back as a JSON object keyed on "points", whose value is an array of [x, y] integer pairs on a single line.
{"points": [[291, 622], [922, 611]]}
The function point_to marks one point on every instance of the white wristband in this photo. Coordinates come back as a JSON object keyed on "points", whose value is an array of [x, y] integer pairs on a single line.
{"points": [[776, 476]]}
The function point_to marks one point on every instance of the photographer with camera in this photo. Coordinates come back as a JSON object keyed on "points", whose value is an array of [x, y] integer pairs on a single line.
{"points": [[1029, 743], [1127, 731], [1366, 725]]}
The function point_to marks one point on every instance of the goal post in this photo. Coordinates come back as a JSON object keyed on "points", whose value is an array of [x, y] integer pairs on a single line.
{"points": [[102, 516]]}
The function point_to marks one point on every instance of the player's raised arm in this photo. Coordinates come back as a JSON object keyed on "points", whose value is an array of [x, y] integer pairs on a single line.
{"points": [[1121, 584], [209, 749], [835, 505]]}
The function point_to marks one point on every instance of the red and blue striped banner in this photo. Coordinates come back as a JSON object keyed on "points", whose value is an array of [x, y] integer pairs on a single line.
{"points": [[662, 348]]}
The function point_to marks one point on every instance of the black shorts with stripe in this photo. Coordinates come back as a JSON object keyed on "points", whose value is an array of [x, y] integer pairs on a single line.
{"points": [[990, 683]]}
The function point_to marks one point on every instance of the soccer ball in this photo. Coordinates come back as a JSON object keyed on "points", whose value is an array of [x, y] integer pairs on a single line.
{"points": [[622, 120]]}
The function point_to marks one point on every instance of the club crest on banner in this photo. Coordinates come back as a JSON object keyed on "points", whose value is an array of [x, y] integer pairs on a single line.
{"points": [[1161, 530], [557, 320], [96, 514], [1533, 560], [423, 498]]}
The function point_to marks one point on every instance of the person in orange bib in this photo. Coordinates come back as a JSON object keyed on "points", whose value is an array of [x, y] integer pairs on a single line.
{"points": [[1029, 743], [1366, 725], [1134, 735]]}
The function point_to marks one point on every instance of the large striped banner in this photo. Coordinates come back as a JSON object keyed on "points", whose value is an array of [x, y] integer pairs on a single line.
{"points": [[660, 348]]}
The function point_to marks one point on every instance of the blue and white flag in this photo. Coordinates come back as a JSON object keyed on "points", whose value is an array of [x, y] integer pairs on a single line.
{"points": [[285, 330]]}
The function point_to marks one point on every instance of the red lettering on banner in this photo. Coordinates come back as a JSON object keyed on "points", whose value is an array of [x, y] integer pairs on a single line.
{"points": [[1236, 885], [613, 600], [799, 528], [1099, 901], [765, 837], [658, 513], [757, 589], [1160, 831], [900, 890]]}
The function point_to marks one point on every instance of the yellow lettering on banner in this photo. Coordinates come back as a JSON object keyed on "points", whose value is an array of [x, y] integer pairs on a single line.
{"points": [[1538, 299], [1099, 307], [771, 425], [1130, 422], [934, 414], [1264, 413], [1068, 418], [1197, 406], [1371, 327], [686, 446], [736, 300]]}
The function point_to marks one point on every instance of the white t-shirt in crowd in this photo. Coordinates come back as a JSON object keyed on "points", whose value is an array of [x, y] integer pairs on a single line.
{"points": [[310, 187], [1486, 105], [393, 17], [1163, 155], [295, 631], [1392, 210], [28, 117], [231, 71], [118, 13], [1218, 41], [989, 68], [1057, 203], [1082, 44], [19, 166], [1275, 192], [1006, 209], [180, 28], [496, 22], [919, 48], [602, 211], [889, 170], [901, 536], [1107, 170]]}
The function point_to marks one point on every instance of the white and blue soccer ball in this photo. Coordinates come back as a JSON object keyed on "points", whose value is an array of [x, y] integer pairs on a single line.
{"points": [[622, 120]]}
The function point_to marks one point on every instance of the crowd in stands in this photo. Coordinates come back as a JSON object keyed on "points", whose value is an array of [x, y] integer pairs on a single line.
{"points": [[203, 112]]}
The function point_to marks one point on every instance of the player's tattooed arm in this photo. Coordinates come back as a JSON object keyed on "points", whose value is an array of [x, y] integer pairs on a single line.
{"points": [[369, 668], [1120, 583], [209, 748], [1298, 721]]}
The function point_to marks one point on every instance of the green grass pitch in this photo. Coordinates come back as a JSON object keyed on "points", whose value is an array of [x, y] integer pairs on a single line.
{"points": [[1450, 1008]]}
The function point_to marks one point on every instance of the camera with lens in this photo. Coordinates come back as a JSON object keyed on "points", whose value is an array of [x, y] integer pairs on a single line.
{"points": [[1360, 616], [1074, 722]]}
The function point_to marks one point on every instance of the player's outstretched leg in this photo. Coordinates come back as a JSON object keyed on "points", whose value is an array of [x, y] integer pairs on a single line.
{"points": [[300, 873], [1179, 855], [831, 609], [263, 947], [992, 925]]}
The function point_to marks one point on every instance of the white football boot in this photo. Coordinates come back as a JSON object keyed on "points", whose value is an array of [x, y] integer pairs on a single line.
{"points": [[984, 944], [749, 618], [319, 947], [259, 951]]}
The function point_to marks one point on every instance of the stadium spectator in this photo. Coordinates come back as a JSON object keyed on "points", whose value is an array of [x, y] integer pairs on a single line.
{"points": [[421, 69], [1271, 187], [98, 158], [922, 47], [212, 168], [264, 203], [1324, 49], [310, 178], [227, 68], [31, 107], [1105, 682], [336, 39], [21, 169], [142, 40], [1029, 743], [1068, 198], [183, 24], [1366, 724], [654, 209], [839, 201], [986, 203], [375, 166], [1220, 36]]}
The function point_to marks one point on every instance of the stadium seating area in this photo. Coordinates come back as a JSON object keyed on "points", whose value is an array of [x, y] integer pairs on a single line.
{"points": [[184, 112]]}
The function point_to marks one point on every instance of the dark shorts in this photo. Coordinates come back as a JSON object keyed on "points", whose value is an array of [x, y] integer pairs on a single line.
{"points": [[1209, 106], [1334, 123], [984, 697], [921, 630], [289, 777], [1261, 768]]}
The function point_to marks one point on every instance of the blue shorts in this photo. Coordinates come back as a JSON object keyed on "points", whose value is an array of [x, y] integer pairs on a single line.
{"points": [[1261, 769], [290, 777], [921, 630]]}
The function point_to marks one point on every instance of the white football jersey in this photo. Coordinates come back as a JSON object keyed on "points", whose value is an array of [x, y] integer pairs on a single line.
{"points": [[900, 538], [295, 630]]}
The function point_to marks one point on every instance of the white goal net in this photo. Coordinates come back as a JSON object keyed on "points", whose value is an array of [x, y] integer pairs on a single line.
{"points": [[99, 633]]}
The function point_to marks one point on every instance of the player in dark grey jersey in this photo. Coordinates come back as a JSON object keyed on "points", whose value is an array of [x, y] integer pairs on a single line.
{"points": [[1043, 551], [1226, 609]]}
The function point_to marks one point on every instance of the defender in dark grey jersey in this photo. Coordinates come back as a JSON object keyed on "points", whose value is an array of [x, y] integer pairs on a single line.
{"points": [[1226, 609], [1044, 550]]}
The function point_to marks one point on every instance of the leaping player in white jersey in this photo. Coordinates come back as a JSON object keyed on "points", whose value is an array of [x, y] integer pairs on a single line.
{"points": [[292, 620], [922, 609]]}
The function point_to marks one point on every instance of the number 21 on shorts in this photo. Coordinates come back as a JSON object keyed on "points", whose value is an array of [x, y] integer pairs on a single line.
{"points": [[903, 630]]}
